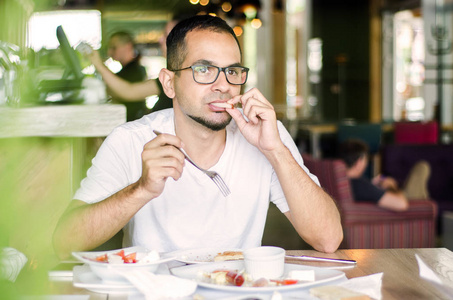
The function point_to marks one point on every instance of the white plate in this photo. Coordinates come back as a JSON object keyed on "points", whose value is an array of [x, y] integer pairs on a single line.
{"points": [[112, 272], [197, 256], [85, 278], [191, 272]]}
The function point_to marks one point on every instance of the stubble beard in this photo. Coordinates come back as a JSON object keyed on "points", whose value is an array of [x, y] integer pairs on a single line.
{"points": [[214, 126]]}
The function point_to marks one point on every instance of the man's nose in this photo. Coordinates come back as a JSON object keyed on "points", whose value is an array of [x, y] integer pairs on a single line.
{"points": [[221, 82]]}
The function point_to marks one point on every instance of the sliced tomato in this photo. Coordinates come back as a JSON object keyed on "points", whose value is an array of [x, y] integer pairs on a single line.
{"points": [[130, 258], [102, 258], [285, 281], [120, 253], [234, 278]]}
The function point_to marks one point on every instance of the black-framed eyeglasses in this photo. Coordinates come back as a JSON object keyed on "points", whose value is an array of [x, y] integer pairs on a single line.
{"points": [[207, 74]]}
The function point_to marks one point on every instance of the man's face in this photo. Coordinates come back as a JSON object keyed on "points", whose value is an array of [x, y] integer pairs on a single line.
{"points": [[118, 50], [362, 164], [195, 100]]}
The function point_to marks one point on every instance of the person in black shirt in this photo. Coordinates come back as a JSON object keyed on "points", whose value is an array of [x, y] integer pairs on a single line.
{"points": [[132, 91], [383, 191], [121, 47]]}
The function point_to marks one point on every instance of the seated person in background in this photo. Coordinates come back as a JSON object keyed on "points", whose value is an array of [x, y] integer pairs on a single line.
{"points": [[121, 47], [140, 183], [383, 191]]}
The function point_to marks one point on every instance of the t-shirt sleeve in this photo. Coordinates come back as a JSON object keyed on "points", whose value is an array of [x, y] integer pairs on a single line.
{"points": [[364, 191], [108, 172], [277, 195]]}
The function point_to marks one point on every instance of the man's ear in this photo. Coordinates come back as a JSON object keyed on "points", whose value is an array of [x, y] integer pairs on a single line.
{"points": [[166, 78], [361, 164]]}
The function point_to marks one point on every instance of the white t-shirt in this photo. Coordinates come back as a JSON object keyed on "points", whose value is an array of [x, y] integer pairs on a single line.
{"points": [[191, 212]]}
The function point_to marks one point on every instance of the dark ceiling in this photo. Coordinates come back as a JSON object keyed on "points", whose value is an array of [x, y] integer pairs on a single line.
{"points": [[168, 6], [174, 7], [171, 6]]}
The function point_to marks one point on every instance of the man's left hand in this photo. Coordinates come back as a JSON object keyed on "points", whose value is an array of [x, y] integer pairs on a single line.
{"points": [[260, 127]]}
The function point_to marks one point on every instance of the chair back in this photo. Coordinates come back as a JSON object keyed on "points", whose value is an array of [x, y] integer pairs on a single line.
{"points": [[332, 176], [370, 133], [416, 132]]}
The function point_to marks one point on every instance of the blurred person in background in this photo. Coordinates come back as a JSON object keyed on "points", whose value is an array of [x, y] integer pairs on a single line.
{"points": [[384, 191], [133, 91], [121, 47]]}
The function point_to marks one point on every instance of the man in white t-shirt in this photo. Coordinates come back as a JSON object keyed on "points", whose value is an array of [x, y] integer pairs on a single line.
{"points": [[140, 182]]}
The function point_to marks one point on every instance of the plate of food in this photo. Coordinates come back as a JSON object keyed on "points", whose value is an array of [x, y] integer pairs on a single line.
{"points": [[231, 276], [109, 265], [206, 255]]}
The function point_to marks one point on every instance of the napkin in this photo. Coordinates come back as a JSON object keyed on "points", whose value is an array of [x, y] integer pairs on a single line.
{"points": [[428, 274], [369, 285], [11, 263], [154, 286]]}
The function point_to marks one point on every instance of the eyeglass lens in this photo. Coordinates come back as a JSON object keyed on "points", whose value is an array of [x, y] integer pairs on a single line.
{"points": [[209, 74]]}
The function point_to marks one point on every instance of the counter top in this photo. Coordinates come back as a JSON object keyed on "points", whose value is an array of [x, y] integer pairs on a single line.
{"points": [[61, 120]]}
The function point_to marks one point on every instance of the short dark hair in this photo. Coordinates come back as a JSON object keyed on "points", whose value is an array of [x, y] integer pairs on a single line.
{"points": [[124, 37], [351, 150], [176, 44]]}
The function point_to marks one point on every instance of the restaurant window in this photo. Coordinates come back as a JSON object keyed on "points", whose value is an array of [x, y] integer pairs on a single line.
{"points": [[295, 59], [42, 39], [41, 33], [409, 66], [416, 63], [403, 66]]}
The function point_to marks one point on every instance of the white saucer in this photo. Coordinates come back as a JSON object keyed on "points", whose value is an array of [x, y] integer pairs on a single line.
{"points": [[85, 278]]}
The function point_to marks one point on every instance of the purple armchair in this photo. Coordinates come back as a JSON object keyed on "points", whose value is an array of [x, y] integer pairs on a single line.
{"points": [[367, 226]]}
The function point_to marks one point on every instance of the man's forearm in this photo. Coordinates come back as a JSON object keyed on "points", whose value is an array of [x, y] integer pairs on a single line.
{"points": [[86, 226], [124, 89], [313, 213]]}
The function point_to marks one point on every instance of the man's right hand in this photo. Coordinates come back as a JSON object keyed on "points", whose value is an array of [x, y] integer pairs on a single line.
{"points": [[93, 55], [161, 159]]}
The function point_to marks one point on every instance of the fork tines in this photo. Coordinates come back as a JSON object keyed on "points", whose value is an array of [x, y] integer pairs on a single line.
{"points": [[221, 185]]}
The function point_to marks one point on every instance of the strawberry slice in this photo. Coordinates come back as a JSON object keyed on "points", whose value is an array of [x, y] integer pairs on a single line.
{"points": [[130, 258]]}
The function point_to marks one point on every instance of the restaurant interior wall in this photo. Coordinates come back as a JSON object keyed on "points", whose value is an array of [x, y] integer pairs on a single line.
{"points": [[343, 27]]}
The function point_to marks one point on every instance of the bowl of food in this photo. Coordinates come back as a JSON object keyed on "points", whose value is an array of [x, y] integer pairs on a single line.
{"points": [[265, 262], [112, 265]]}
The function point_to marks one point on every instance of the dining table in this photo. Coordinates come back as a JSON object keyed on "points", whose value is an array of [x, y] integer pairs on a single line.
{"points": [[399, 267]]}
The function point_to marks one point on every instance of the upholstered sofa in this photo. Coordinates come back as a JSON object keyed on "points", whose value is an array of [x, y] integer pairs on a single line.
{"points": [[366, 225], [397, 160]]}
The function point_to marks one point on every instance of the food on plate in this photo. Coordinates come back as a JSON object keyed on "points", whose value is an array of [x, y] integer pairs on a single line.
{"points": [[151, 256], [229, 255], [223, 277], [223, 104], [284, 281], [240, 278], [121, 257], [261, 282], [234, 278], [303, 275]]}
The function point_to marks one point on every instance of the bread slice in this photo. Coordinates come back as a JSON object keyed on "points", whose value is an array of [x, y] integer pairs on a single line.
{"points": [[229, 255]]}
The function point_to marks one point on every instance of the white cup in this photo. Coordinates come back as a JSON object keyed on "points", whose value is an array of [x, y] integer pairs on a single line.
{"points": [[265, 262]]}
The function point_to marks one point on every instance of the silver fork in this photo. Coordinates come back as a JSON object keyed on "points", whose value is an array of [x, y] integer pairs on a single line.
{"points": [[211, 174]]}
